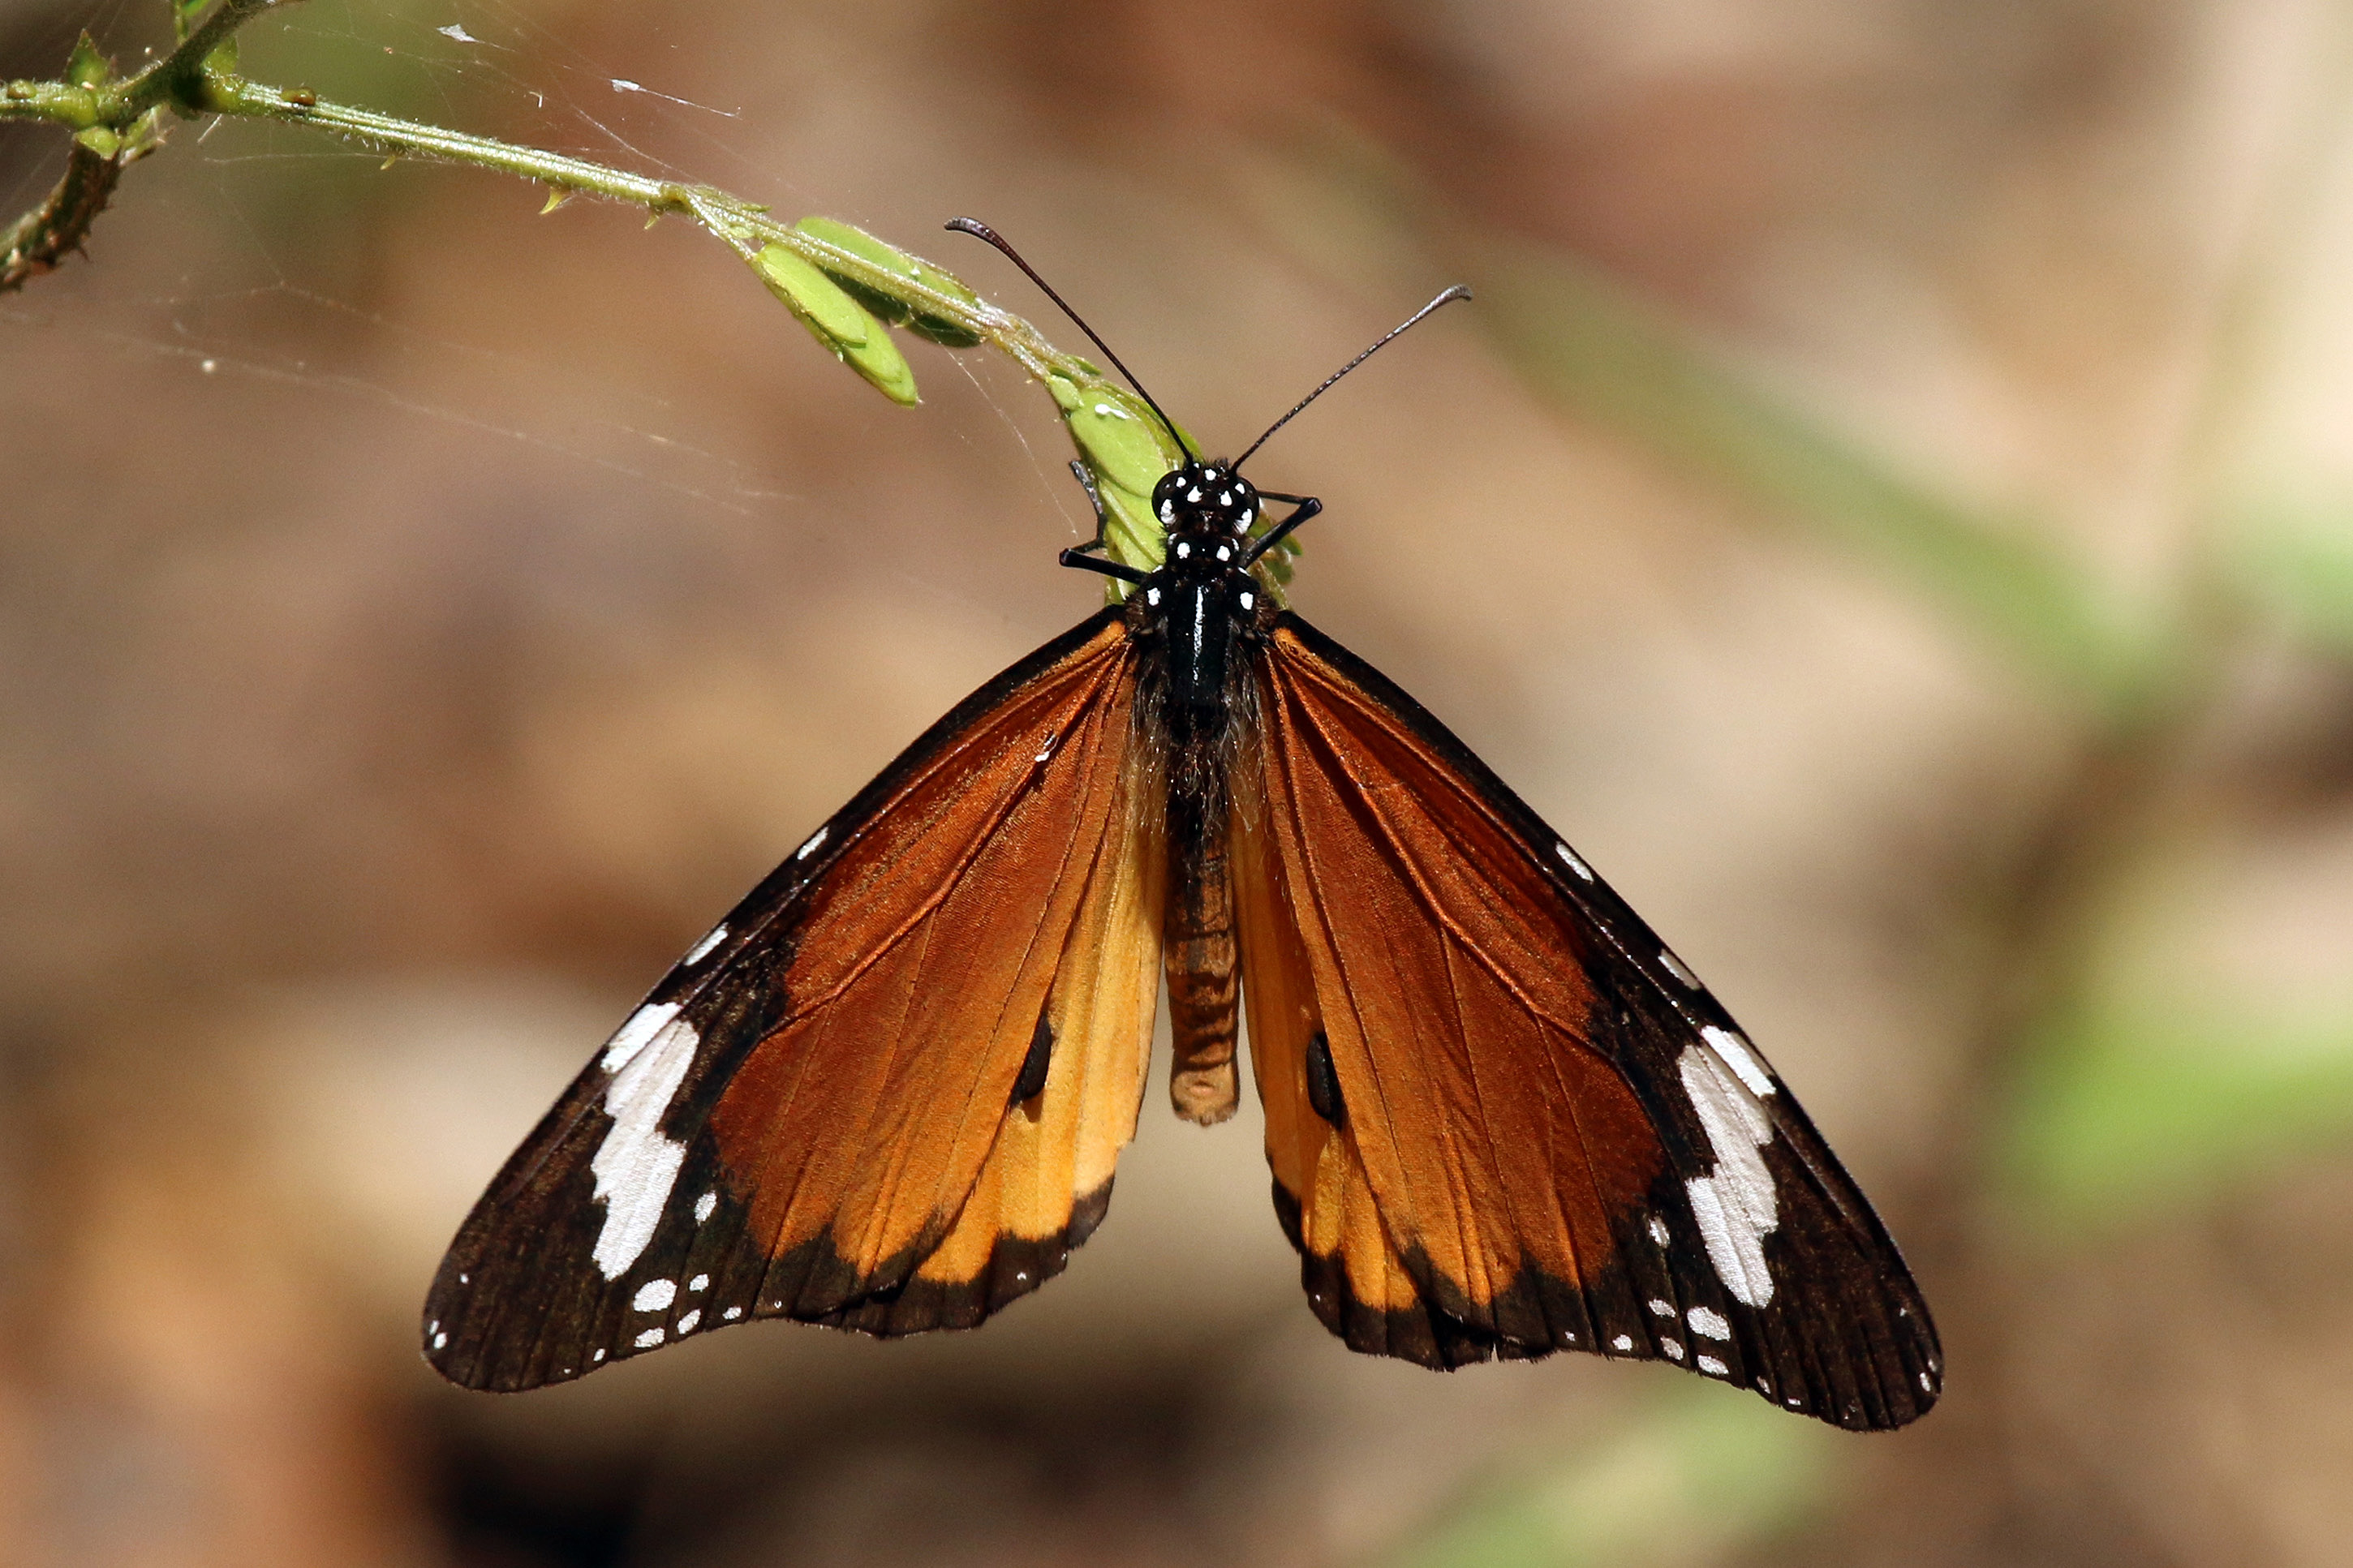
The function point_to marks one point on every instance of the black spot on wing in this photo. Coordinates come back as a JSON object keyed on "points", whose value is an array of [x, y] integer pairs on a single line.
{"points": [[1323, 1082], [1031, 1081]]}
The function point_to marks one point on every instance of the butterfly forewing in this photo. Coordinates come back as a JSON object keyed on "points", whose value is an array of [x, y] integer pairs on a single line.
{"points": [[887, 1092], [1567, 1143]]}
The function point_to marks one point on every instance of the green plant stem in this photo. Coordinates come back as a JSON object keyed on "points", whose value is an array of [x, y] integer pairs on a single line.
{"points": [[191, 80], [180, 74]]}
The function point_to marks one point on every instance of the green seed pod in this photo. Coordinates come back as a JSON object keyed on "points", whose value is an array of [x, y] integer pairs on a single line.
{"points": [[1118, 434], [836, 321], [1277, 564], [866, 248], [1126, 450], [1132, 535]]}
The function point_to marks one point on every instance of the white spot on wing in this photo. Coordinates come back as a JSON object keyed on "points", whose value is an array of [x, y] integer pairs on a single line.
{"points": [[1739, 1059], [655, 1296], [704, 1206], [1712, 1324], [703, 949], [1675, 967], [1659, 1230], [686, 1325], [1664, 1309], [631, 1037], [700, 1282], [1671, 1348], [599, 1356], [1710, 1364], [441, 1342], [1624, 1342], [732, 1313], [809, 848], [1735, 1203], [1568, 859], [635, 1166], [1925, 1386], [648, 1340]]}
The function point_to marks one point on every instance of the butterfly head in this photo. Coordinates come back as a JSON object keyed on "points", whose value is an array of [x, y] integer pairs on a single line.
{"points": [[1205, 499]]}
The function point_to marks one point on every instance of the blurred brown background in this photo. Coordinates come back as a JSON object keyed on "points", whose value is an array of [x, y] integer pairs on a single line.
{"points": [[1891, 507]]}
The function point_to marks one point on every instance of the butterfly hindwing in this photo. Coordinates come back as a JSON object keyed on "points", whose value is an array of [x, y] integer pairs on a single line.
{"points": [[887, 1092], [1457, 1028]]}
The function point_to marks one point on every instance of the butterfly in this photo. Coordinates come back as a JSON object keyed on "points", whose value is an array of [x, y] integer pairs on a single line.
{"points": [[889, 1091]]}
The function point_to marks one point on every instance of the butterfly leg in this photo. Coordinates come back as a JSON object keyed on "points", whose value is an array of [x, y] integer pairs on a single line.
{"points": [[1081, 555], [1302, 509], [1076, 555], [1095, 497]]}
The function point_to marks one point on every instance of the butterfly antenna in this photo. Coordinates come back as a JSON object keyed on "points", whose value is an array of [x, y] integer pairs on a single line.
{"points": [[1457, 292], [979, 230]]}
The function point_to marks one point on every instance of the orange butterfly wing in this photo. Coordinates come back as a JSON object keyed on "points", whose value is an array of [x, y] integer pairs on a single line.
{"points": [[1502, 1119], [889, 1091]]}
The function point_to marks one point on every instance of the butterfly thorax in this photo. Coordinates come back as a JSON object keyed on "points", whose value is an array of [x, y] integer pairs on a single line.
{"points": [[1202, 594]]}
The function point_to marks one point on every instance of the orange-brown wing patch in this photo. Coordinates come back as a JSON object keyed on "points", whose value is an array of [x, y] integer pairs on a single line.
{"points": [[888, 1092], [1567, 1143], [1495, 1143], [1047, 1180]]}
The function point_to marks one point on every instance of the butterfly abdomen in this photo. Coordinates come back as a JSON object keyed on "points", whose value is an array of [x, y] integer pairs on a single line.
{"points": [[1201, 960]]}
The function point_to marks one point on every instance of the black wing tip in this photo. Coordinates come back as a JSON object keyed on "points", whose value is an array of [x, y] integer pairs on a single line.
{"points": [[1537, 1316], [1017, 1266], [812, 1284]]}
